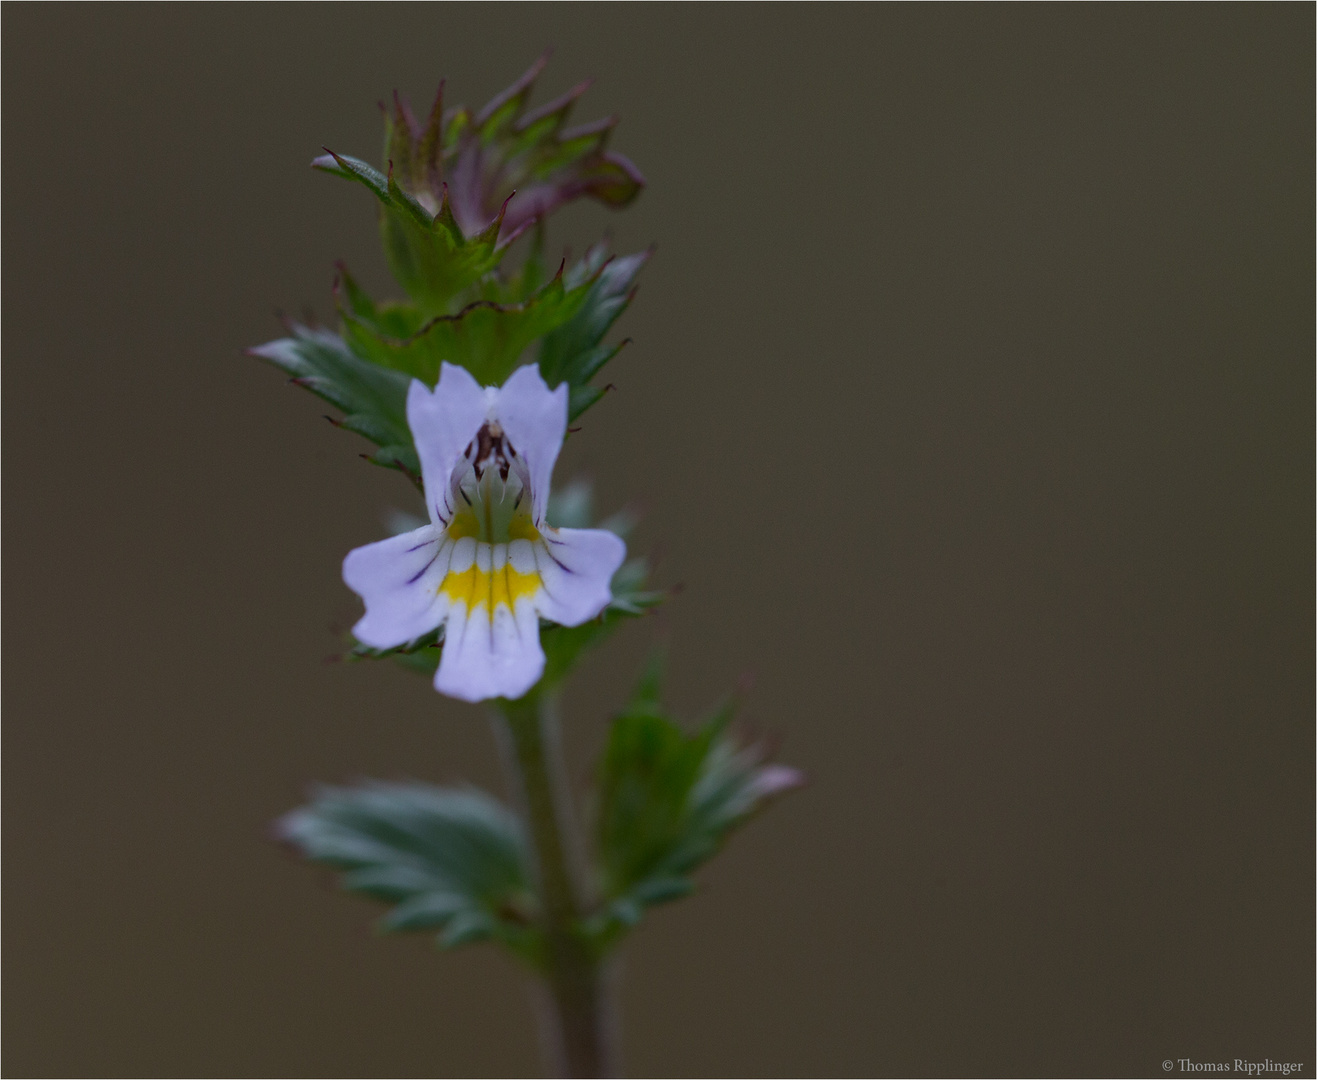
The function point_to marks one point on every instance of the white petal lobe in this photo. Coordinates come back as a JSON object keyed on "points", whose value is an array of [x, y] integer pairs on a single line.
{"points": [[443, 423], [534, 418], [398, 579], [576, 566], [486, 657]]}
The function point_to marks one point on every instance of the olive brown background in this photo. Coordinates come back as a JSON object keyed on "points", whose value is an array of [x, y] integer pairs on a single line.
{"points": [[970, 400]]}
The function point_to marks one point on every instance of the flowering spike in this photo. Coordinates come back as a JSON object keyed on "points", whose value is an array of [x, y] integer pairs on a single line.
{"points": [[505, 147], [447, 213], [501, 592]]}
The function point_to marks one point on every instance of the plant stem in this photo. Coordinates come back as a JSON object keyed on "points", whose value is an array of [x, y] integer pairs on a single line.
{"points": [[578, 1033]]}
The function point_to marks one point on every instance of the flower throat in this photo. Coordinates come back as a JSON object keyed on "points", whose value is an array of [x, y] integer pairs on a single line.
{"points": [[492, 492]]}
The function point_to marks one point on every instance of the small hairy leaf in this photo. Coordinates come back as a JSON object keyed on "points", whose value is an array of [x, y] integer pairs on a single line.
{"points": [[574, 352], [667, 800], [449, 860], [373, 399]]}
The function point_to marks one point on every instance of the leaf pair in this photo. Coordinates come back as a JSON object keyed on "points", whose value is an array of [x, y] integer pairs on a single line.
{"points": [[485, 337], [456, 860]]}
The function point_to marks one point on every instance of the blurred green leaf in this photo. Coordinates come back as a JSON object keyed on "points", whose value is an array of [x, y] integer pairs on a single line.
{"points": [[667, 800], [571, 506], [447, 859], [373, 399]]}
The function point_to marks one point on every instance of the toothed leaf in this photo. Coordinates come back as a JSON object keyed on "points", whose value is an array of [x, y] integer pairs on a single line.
{"points": [[451, 860], [373, 399], [667, 800], [485, 337], [573, 353]]}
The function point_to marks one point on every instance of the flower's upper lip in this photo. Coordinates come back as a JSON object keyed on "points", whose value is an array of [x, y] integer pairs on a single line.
{"points": [[525, 413]]}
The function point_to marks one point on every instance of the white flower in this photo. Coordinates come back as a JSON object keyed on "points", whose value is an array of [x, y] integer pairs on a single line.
{"points": [[488, 564]]}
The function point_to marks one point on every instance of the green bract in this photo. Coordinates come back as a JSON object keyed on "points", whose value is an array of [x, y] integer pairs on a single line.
{"points": [[569, 314], [427, 252], [453, 197]]}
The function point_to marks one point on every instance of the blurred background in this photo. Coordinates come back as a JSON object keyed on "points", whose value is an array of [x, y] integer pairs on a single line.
{"points": [[970, 400]]}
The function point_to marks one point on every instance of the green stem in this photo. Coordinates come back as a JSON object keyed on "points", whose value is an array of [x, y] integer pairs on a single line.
{"points": [[578, 1030]]}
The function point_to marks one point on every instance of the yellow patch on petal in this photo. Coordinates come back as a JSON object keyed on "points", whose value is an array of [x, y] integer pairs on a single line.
{"points": [[474, 587], [464, 524], [522, 528]]}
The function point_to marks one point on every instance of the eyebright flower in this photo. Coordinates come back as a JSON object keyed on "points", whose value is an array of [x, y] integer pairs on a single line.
{"points": [[488, 565]]}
